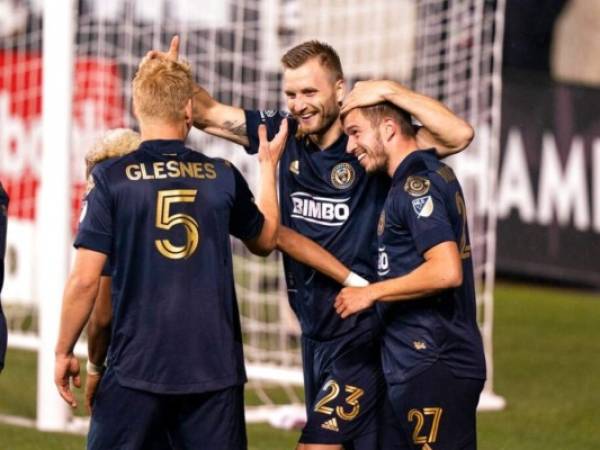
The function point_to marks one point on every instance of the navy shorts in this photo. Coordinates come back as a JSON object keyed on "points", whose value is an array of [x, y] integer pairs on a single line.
{"points": [[344, 390], [435, 410], [130, 419]]}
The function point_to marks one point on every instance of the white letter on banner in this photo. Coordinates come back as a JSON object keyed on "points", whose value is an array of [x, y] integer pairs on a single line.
{"points": [[596, 181], [514, 188], [566, 191]]}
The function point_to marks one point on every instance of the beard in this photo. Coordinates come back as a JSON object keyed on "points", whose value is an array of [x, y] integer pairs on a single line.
{"points": [[326, 114], [376, 159]]}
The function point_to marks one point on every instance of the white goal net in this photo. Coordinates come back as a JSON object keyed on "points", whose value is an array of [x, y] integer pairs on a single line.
{"points": [[449, 49]]}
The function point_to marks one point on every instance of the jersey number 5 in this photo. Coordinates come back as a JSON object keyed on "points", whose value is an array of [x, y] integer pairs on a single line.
{"points": [[165, 221]]}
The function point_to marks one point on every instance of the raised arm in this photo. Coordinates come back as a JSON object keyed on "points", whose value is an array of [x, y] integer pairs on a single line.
{"points": [[269, 154], [441, 128], [210, 116], [218, 119]]}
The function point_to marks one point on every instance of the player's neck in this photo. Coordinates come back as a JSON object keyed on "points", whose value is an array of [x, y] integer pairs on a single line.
{"points": [[329, 136], [163, 131], [398, 153]]}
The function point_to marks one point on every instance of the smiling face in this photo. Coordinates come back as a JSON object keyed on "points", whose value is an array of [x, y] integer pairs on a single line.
{"points": [[365, 142], [313, 96]]}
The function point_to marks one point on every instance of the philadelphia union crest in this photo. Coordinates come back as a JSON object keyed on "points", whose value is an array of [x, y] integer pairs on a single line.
{"points": [[417, 186], [342, 176]]}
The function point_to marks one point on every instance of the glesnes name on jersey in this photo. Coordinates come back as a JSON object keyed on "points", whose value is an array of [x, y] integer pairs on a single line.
{"points": [[170, 169], [332, 212]]}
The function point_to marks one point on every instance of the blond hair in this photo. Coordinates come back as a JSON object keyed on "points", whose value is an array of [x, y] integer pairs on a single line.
{"points": [[325, 53], [113, 143], [161, 89]]}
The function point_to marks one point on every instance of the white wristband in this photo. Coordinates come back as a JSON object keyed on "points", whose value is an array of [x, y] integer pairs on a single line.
{"points": [[354, 280], [93, 369]]}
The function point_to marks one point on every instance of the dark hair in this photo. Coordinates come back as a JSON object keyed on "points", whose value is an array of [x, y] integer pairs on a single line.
{"points": [[376, 113], [327, 56]]}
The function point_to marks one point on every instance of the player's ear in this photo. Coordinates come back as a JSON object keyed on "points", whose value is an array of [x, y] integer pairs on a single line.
{"points": [[189, 113], [340, 90], [388, 129], [135, 110]]}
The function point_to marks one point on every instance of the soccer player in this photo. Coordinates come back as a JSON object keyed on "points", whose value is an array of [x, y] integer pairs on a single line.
{"points": [[112, 144], [432, 351], [163, 214], [116, 143], [3, 222], [327, 196]]}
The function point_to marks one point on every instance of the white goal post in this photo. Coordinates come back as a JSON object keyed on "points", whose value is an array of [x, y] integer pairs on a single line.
{"points": [[89, 50]]}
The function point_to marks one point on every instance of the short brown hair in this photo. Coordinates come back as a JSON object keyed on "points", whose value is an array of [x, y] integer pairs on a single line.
{"points": [[327, 56], [161, 88], [376, 113]]}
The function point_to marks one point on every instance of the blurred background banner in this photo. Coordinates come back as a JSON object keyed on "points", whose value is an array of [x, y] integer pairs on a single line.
{"points": [[549, 180], [549, 185]]}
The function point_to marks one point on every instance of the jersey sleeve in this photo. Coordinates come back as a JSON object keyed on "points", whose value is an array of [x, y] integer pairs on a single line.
{"points": [[246, 220], [95, 224], [272, 119], [427, 218]]}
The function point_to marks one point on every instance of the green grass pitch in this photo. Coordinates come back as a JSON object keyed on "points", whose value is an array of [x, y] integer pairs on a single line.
{"points": [[547, 366]]}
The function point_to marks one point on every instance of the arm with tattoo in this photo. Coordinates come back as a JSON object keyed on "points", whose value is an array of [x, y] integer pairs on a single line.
{"points": [[218, 119]]}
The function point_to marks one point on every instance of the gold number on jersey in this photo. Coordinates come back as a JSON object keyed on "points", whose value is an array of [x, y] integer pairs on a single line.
{"points": [[352, 400], [334, 390], [331, 395], [419, 417], [165, 221], [465, 250]]}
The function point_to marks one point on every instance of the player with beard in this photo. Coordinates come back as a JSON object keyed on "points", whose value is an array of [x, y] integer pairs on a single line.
{"points": [[326, 195], [432, 352]]}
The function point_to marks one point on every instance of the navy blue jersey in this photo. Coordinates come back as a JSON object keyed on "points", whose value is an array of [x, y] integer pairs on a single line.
{"points": [[328, 197], [425, 207], [3, 222], [164, 214]]}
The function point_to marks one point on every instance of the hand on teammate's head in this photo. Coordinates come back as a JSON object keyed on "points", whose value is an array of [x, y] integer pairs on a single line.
{"points": [[366, 93], [172, 54]]}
